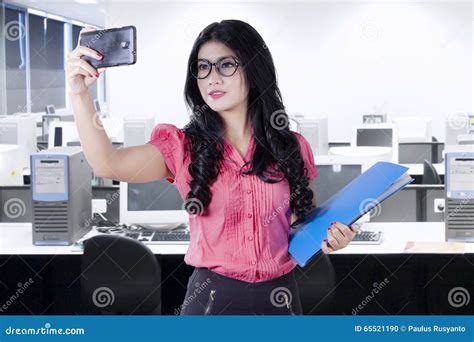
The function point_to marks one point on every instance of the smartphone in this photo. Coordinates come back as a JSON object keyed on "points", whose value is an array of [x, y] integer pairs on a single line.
{"points": [[117, 45]]}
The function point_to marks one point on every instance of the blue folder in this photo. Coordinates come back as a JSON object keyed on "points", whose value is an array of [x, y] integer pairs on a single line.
{"points": [[357, 198]]}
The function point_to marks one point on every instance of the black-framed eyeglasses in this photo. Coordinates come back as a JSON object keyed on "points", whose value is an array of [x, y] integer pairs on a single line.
{"points": [[225, 66]]}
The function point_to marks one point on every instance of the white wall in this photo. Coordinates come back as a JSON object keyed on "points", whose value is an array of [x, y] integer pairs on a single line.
{"points": [[337, 59]]}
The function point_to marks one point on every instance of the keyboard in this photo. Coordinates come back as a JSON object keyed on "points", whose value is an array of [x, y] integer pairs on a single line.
{"points": [[169, 233], [170, 236], [364, 237], [164, 236]]}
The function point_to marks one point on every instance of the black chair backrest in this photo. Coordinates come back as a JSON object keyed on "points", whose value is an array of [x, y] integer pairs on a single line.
{"points": [[317, 286], [119, 275], [430, 175]]}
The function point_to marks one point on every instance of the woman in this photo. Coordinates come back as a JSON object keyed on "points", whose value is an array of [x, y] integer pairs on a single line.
{"points": [[244, 175]]}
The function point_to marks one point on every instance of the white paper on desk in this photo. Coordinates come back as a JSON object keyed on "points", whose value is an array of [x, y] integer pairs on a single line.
{"points": [[434, 247]]}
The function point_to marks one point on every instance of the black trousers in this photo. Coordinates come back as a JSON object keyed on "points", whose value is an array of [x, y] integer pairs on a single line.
{"points": [[209, 293]]}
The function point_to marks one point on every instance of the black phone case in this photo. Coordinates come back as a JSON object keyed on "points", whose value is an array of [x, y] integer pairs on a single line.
{"points": [[117, 45]]}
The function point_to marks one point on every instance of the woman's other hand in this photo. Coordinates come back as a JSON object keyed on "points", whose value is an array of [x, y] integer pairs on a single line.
{"points": [[339, 236]]}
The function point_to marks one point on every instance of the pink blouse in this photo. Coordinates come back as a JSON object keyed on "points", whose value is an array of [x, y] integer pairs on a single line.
{"points": [[245, 234]]}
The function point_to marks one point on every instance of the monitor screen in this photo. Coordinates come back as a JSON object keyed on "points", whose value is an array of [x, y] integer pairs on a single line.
{"points": [[416, 153], [374, 137], [461, 174], [332, 178], [97, 105], [158, 195]]}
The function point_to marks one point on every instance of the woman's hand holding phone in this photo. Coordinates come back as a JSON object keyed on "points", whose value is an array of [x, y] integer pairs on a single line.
{"points": [[81, 74]]}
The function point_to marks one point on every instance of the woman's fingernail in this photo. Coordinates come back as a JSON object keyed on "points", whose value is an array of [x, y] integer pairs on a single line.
{"points": [[97, 75], [329, 228], [332, 223], [99, 56], [325, 240]]}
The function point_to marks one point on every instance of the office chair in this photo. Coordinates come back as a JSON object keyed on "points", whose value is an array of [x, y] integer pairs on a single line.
{"points": [[119, 276], [430, 175], [317, 286]]}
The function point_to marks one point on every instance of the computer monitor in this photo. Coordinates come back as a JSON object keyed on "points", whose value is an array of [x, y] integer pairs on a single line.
{"points": [[60, 133], [137, 131], [113, 127], [456, 125], [49, 109], [10, 165], [376, 135], [374, 118], [153, 203], [46, 119], [413, 129], [20, 129], [334, 173], [416, 153], [315, 131]]}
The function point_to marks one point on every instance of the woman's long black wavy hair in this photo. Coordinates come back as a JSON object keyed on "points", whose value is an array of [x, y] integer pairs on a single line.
{"points": [[275, 144]]}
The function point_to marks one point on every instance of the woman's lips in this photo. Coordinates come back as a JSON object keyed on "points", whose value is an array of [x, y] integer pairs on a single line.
{"points": [[216, 94]]}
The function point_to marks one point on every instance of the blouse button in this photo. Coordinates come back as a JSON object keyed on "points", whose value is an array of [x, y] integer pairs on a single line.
{"points": [[253, 262], [249, 215], [249, 191], [250, 238]]}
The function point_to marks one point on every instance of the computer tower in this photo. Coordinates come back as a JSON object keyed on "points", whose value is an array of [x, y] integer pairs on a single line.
{"points": [[61, 196], [459, 196]]}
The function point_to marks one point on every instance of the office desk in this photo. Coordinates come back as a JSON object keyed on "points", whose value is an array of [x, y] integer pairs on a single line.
{"points": [[417, 169], [329, 284], [371, 154], [16, 239], [397, 234]]}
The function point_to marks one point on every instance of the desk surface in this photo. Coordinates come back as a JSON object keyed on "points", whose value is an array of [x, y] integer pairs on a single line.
{"points": [[16, 239], [413, 169], [417, 169]]}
